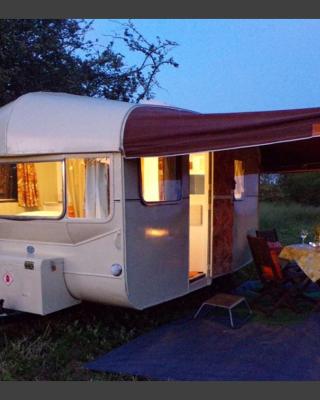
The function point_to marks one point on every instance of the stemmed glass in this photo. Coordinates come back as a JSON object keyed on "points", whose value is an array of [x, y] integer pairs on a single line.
{"points": [[303, 235]]}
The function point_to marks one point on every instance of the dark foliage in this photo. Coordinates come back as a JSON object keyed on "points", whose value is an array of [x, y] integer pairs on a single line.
{"points": [[302, 187], [55, 55]]}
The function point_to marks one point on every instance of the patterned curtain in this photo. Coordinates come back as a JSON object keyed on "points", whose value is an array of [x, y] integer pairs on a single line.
{"points": [[28, 195], [4, 181]]}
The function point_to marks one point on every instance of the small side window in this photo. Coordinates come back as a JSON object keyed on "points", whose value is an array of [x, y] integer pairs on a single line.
{"points": [[161, 179], [88, 187], [239, 180]]}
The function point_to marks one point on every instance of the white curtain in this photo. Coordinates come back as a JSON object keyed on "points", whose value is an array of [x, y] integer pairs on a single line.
{"points": [[239, 180], [96, 195], [171, 181]]}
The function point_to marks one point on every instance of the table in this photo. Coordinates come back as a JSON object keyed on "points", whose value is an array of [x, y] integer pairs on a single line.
{"points": [[306, 256]]}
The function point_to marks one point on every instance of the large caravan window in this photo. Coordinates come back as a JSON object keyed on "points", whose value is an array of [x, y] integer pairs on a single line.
{"points": [[88, 187], [161, 179], [31, 189]]}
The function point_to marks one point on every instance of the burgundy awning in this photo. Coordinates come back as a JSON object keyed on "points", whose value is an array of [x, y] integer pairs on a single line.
{"points": [[156, 130]]}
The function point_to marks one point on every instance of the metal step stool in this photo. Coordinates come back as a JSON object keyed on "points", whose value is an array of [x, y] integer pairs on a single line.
{"points": [[228, 302]]}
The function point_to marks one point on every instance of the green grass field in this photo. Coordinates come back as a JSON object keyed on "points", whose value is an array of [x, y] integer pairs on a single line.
{"points": [[289, 219], [55, 347]]}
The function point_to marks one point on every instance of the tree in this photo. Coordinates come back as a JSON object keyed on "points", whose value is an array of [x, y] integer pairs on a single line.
{"points": [[55, 55], [270, 189]]}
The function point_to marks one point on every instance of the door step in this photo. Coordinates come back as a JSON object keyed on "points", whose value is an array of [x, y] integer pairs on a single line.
{"points": [[195, 275]]}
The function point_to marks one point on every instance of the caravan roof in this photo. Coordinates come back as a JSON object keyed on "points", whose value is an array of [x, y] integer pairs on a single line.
{"points": [[58, 123], [51, 123]]}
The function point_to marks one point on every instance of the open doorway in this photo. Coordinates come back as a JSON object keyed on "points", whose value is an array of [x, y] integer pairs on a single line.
{"points": [[199, 219]]}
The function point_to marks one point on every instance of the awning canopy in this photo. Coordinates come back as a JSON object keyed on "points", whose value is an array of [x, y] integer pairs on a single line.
{"points": [[58, 123], [151, 131]]}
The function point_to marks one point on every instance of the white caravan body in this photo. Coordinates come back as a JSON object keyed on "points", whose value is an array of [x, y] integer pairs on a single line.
{"points": [[135, 255]]}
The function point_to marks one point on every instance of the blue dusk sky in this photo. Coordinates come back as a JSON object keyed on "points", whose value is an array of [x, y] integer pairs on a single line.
{"points": [[235, 65]]}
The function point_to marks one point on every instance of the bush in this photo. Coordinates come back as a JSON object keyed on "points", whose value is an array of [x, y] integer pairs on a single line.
{"points": [[302, 188], [289, 219]]}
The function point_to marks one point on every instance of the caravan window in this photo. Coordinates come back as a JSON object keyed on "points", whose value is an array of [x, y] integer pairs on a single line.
{"points": [[161, 179], [31, 189], [88, 187]]}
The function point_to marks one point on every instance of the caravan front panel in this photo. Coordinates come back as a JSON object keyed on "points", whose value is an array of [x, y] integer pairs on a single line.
{"points": [[35, 285]]}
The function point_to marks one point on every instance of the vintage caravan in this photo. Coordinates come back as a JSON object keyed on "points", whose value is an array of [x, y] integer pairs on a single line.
{"points": [[125, 204]]}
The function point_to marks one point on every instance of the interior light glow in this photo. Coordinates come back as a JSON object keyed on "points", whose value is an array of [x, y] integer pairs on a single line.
{"points": [[155, 232], [150, 178]]}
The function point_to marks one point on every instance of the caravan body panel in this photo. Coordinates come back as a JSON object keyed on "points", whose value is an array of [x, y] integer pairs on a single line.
{"points": [[148, 242], [157, 265], [88, 249]]}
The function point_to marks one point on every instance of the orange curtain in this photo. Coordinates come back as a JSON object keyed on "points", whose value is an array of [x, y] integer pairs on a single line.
{"points": [[28, 195]]}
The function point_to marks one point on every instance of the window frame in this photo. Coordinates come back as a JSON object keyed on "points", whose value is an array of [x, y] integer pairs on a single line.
{"points": [[37, 218], [84, 220], [62, 158], [160, 202]]}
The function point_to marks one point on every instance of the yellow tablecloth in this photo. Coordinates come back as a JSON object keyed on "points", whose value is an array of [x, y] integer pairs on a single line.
{"points": [[306, 256]]}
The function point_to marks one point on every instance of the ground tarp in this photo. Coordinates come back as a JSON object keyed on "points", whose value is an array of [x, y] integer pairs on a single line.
{"points": [[204, 350]]}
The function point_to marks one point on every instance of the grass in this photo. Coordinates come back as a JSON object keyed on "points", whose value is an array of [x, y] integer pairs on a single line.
{"points": [[289, 219], [56, 346]]}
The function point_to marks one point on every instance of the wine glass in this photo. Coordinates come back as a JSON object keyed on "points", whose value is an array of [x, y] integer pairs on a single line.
{"points": [[303, 235]]}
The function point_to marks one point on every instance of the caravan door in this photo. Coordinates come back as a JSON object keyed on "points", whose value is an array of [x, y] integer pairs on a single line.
{"points": [[199, 220]]}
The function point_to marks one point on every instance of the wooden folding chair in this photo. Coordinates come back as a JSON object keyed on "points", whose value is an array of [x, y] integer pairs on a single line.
{"points": [[270, 235], [274, 244], [283, 289], [272, 238]]}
